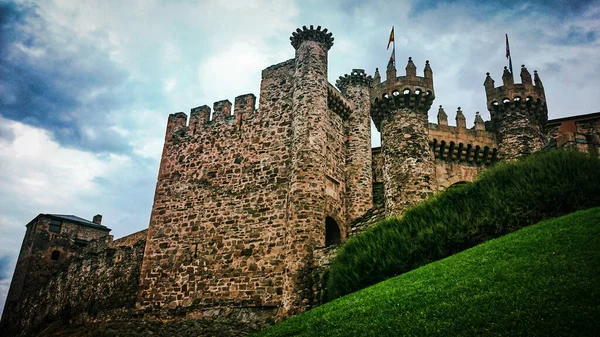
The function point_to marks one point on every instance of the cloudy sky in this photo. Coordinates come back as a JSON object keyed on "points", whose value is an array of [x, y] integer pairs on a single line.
{"points": [[86, 86]]}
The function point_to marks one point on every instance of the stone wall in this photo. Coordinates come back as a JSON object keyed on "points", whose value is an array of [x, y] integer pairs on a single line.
{"points": [[130, 240], [581, 133], [218, 224], [100, 281]]}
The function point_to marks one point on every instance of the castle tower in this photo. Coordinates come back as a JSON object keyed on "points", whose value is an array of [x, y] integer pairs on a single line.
{"points": [[359, 190], [50, 241], [306, 216], [519, 113], [399, 109]]}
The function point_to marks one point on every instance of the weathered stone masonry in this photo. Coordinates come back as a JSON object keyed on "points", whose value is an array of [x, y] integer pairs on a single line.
{"points": [[399, 110], [251, 205]]}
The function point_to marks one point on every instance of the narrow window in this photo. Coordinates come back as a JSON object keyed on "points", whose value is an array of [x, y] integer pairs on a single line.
{"points": [[332, 232], [55, 255], [55, 226]]}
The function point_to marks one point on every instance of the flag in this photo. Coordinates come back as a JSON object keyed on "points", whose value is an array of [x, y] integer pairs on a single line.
{"points": [[391, 38], [392, 60], [508, 55]]}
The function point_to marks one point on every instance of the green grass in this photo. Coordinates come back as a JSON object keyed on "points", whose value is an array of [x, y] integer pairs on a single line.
{"points": [[505, 198], [543, 280]]}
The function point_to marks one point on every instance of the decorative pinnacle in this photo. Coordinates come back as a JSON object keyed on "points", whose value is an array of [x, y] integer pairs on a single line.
{"points": [[311, 34], [356, 77], [441, 112]]}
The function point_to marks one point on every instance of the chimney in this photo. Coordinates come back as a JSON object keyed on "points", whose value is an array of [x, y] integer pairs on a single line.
{"points": [[97, 219]]}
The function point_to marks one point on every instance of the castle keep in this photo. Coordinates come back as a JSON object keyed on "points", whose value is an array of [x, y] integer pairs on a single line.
{"points": [[252, 203]]}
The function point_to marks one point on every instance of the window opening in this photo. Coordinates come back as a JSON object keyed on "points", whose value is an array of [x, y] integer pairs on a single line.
{"points": [[55, 226], [55, 255], [332, 232]]}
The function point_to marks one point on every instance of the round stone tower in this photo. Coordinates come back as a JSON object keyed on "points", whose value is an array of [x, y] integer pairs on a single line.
{"points": [[399, 108], [306, 212], [519, 113], [359, 176]]}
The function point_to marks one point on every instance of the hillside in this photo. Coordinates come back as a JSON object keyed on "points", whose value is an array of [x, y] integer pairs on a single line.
{"points": [[538, 281]]}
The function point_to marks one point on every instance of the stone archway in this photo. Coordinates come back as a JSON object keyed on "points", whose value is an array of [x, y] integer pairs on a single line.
{"points": [[332, 232]]}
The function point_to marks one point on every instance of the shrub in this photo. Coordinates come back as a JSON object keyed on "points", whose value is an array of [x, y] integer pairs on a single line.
{"points": [[507, 197]]}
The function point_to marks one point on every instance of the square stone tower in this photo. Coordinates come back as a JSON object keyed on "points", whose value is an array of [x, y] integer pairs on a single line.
{"points": [[244, 199]]}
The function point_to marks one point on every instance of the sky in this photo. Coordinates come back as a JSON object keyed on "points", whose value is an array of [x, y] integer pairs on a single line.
{"points": [[86, 86]]}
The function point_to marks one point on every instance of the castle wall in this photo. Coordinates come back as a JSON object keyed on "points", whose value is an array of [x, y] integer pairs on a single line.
{"points": [[218, 225], [581, 133], [98, 280], [130, 239], [452, 163], [335, 182], [465, 153]]}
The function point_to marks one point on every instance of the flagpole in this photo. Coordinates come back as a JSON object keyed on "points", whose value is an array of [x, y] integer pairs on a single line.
{"points": [[394, 46]]}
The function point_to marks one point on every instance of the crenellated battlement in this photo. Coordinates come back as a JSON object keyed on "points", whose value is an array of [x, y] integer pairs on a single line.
{"points": [[338, 103], [399, 92], [458, 143], [356, 77], [511, 91], [311, 34], [200, 117]]}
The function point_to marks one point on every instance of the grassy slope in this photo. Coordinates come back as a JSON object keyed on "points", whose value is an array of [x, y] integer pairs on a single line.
{"points": [[542, 280], [504, 198]]}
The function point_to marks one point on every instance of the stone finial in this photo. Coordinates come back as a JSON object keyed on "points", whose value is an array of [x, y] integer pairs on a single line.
{"points": [[525, 75], [427, 71], [489, 81], [377, 76], [390, 73], [479, 123], [442, 117], [461, 121], [311, 34], [356, 77], [507, 77], [411, 69], [536, 79]]}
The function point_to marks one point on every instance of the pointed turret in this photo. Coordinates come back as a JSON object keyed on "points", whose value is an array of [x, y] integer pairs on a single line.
{"points": [[488, 83], [479, 123], [461, 121], [390, 73], [507, 77], [411, 69], [536, 79], [525, 76], [376, 77], [428, 72], [442, 117]]}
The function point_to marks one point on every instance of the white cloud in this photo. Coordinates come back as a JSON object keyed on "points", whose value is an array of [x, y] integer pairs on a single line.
{"points": [[38, 175]]}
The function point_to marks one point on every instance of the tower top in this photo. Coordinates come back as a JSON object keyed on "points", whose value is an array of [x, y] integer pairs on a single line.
{"points": [[510, 91], [311, 34], [356, 77], [410, 91]]}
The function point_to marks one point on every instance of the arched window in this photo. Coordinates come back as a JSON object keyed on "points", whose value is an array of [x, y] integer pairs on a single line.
{"points": [[55, 255], [332, 232]]}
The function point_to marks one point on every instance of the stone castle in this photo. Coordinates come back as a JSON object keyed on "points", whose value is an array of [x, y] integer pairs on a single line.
{"points": [[251, 204]]}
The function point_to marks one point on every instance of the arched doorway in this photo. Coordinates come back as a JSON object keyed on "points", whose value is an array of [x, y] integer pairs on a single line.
{"points": [[332, 232]]}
